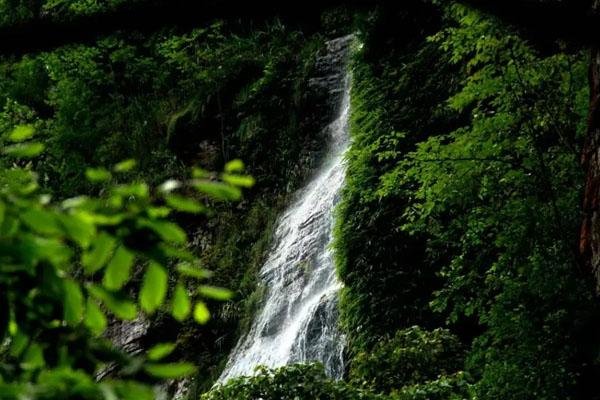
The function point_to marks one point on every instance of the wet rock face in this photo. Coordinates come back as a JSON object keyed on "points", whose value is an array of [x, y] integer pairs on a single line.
{"points": [[322, 338], [298, 320], [330, 76], [127, 336]]}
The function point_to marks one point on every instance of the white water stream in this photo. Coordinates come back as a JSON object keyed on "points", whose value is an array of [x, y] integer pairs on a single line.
{"points": [[299, 316]]}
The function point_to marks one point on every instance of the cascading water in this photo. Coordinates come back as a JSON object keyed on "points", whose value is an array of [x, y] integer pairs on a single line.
{"points": [[298, 319]]}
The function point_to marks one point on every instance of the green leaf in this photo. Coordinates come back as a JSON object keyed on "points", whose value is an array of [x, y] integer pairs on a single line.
{"points": [[158, 212], [199, 173], [187, 269], [219, 190], [101, 251], [41, 221], [95, 319], [109, 220], [33, 358], [118, 270], [201, 313], [215, 293], [2, 212], [234, 166], [170, 371], [168, 231], [131, 390], [184, 204], [137, 190], [120, 306], [72, 303], [154, 287], [21, 133], [24, 150], [53, 250], [182, 306], [125, 166], [244, 181], [160, 351], [18, 343], [81, 230], [97, 175]]}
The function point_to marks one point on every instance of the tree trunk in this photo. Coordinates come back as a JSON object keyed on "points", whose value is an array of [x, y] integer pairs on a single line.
{"points": [[589, 243]]}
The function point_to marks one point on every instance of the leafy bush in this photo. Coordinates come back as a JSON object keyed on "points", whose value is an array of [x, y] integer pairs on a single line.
{"points": [[499, 197], [171, 99], [309, 382], [453, 387], [397, 99], [462, 202], [292, 382], [413, 356], [66, 265]]}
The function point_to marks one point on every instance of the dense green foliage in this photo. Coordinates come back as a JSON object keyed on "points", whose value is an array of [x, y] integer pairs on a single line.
{"points": [[508, 221], [171, 100], [186, 98], [310, 382], [455, 235], [479, 166], [394, 92], [288, 383], [65, 265], [15, 12], [411, 357]]}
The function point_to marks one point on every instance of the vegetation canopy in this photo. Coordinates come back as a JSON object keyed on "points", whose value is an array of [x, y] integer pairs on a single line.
{"points": [[464, 239]]}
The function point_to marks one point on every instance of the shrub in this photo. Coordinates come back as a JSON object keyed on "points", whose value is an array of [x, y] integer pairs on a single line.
{"points": [[292, 382], [413, 356]]}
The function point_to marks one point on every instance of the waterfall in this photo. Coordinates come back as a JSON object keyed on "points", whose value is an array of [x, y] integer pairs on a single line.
{"points": [[299, 315]]}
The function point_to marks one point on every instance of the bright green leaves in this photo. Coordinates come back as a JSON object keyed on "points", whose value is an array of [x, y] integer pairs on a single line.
{"points": [[170, 371], [234, 166], [182, 305], [243, 181], [97, 175], [24, 150], [33, 358], [168, 231], [101, 251], [41, 221], [121, 306], [118, 270], [21, 133], [201, 313], [133, 191], [232, 175], [73, 303], [79, 229], [154, 288], [219, 191], [130, 390], [125, 166], [95, 319], [189, 270], [86, 250], [160, 351], [229, 188], [184, 204], [215, 293]]}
